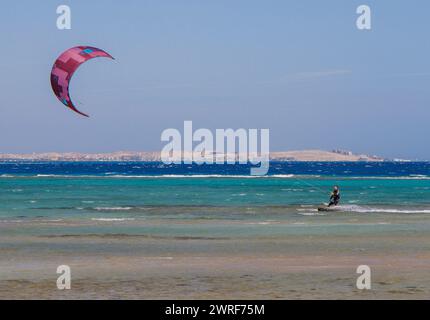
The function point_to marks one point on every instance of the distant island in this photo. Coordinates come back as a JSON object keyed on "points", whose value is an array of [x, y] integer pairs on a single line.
{"points": [[321, 155], [303, 155]]}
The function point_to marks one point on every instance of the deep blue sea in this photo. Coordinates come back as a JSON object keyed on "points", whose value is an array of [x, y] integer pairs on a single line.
{"points": [[338, 169]]}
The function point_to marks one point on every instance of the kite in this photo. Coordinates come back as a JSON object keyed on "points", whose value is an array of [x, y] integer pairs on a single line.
{"points": [[64, 67]]}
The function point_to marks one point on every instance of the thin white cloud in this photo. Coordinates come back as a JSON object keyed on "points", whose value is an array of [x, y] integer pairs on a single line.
{"points": [[308, 75], [315, 74], [413, 74], [320, 74]]}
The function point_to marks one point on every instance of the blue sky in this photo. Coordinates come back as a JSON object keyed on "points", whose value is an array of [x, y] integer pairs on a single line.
{"points": [[300, 68]]}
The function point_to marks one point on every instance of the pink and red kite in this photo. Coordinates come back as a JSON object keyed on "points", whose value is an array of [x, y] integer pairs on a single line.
{"points": [[66, 65]]}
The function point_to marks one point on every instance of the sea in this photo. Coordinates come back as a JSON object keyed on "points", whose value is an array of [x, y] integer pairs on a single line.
{"points": [[213, 225], [83, 189], [120, 191]]}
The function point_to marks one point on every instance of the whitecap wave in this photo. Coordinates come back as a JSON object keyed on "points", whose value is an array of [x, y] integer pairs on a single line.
{"points": [[379, 210], [115, 175], [410, 177], [282, 176], [113, 208], [112, 219], [367, 209]]}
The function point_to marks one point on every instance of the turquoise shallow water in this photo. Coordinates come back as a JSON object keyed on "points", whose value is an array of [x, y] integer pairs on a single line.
{"points": [[33, 196], [91, 198], [209, 207]]}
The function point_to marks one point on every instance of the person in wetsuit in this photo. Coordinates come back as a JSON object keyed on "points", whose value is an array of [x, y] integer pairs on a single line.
{"points": [[334, 197]]}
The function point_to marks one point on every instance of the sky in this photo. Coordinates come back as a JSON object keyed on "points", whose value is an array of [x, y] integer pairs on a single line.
{"points": [[300, 68]]}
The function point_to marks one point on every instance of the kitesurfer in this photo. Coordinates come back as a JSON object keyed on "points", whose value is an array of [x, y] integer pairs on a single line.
{"points": [[334, 197]]}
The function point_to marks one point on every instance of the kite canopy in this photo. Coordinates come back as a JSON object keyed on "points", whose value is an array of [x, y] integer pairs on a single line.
{"points": [[66, 65]]}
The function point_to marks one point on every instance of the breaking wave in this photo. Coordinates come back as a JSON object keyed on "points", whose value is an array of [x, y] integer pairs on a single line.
{"points": [[367, 209]]}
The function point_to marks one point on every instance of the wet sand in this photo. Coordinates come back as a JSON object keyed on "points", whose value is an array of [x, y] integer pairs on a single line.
{"points": [[293, 267]]}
